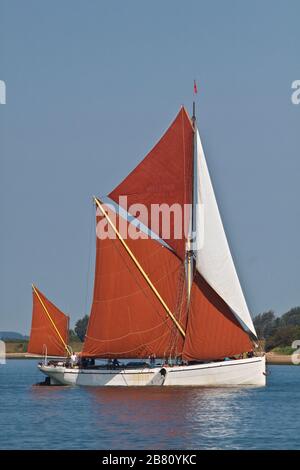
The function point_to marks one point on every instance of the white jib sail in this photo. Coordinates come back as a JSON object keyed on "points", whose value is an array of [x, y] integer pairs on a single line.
{"points": [[213, 258]]}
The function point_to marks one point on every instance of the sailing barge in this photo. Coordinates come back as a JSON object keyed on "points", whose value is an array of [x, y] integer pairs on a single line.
{"points": [[170, 308]]}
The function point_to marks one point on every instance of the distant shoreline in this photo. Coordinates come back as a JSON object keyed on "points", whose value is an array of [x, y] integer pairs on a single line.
{"points": [[279, 359], [272, 358], [22, 356]]}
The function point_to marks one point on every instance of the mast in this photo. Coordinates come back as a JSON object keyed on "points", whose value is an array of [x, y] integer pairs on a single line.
{"points": [[190, 251], [137, 264]]}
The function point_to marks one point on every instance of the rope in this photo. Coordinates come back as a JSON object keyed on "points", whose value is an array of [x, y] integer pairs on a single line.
{"points": [[88, 273]]}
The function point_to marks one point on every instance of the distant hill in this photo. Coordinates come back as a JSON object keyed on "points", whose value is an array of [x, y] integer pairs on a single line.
{"points": [[5, 335]]}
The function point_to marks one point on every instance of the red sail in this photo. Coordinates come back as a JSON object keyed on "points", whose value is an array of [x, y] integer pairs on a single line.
{"points": [[212, 331], [43, 336], [127, 320], [164, 177]]}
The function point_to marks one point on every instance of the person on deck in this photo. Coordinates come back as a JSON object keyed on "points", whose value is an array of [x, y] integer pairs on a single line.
{"points": [[152, 360], [83, 362], [74, 359], [115, 363]]}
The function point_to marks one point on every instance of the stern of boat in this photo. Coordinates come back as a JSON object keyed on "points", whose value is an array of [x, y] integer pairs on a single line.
{"points": [[54, 373]]}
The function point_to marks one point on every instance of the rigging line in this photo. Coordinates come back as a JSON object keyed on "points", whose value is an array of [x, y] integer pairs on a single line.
{"points": [[88, 272], [50, 318], [189, 225], [184, 167], [179, 307], [134, 259]]}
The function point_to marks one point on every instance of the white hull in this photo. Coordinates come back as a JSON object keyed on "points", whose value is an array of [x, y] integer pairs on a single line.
{"points": [[250, 371]]}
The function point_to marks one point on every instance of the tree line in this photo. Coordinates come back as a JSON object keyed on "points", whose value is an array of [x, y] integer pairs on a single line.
{"points": [[278, 332], [79, 331]]}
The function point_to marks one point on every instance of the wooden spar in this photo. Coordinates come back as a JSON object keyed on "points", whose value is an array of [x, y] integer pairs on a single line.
{"points": [[189, 251], [50, 318], [134, 259]]}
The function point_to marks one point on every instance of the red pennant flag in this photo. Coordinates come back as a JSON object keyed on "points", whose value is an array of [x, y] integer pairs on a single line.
{"points": [[195, 87]]}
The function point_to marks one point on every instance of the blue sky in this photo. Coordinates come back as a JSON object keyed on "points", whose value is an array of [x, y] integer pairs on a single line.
{"points": [[92, 85]]}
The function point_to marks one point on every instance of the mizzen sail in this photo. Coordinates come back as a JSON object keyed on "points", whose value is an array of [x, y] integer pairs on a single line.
{"points": [[49, 327]]}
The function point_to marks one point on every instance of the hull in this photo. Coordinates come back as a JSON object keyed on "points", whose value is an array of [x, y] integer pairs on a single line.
{"points": [[250, 371]]}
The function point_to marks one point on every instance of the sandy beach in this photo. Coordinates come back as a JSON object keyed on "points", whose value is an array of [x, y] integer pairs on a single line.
{"points": [[22, 356], [273, 358]]}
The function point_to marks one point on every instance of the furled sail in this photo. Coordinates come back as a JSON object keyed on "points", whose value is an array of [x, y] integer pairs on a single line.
{"points": [[44, 336], [127, 320], [164, 177], [213, 332], [213, 258]]}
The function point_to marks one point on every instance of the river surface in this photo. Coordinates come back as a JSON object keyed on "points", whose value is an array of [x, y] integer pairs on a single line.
{"points": [[34, 417]]}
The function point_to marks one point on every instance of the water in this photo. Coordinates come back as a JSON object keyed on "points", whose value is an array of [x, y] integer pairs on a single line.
{"points": [[147, 418]]}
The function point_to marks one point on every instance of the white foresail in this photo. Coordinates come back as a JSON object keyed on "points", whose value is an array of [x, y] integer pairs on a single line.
{"points": [[213, 258]]}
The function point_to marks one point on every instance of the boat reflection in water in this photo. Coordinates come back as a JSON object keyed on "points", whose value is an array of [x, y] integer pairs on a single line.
{"points": [[168, 416]]}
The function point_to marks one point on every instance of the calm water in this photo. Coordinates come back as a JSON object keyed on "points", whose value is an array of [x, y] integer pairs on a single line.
{"points": [[147, 418]]}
